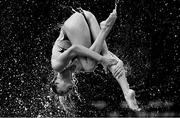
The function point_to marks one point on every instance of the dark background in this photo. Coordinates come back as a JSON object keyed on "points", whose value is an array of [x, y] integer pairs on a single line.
{"points": [[145, 36]]}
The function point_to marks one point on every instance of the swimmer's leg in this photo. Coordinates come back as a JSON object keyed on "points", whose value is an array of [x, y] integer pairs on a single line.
{"points": [[119, 73], [77, 31], [99, 35], [96, 30], [118, 69]]}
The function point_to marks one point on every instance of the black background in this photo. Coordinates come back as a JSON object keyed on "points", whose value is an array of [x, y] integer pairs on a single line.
{"points": [[145, 36]]}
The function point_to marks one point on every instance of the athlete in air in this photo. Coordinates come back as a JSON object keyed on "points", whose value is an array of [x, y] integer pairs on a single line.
{"points": [[81, 46]]}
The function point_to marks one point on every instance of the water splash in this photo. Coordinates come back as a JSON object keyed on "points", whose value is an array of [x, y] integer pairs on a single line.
{"points": [[67, 102], [67, 105]]}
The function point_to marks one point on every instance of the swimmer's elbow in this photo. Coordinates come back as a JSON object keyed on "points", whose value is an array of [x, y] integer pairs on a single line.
{"points": [[74, 50], [89, 15]]}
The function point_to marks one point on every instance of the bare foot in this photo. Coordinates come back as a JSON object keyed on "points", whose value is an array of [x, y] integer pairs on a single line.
{"points": [[131, 100], [130, 96]]}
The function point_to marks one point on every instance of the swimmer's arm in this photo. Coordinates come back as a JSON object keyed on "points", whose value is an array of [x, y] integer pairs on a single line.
{"points": [[60, 61], [79, 50]]}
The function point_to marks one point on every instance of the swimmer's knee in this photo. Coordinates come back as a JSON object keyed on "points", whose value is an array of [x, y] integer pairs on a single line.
{"points": [[89, 15], [78, 15], [74, 20]]}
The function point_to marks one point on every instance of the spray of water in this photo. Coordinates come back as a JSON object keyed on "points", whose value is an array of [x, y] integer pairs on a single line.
{"points": [[67, 103]]}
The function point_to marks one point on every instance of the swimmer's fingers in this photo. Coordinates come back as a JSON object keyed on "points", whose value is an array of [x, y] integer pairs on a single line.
{"points": [[118, 70], [120, 74], [105, 68]]}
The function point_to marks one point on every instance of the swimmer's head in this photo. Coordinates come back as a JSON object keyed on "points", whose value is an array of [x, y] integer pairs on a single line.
{"points": [[62, 83]]}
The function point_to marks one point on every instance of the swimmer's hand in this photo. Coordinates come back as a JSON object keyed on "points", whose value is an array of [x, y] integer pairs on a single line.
{"points": [[106, 62]]}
